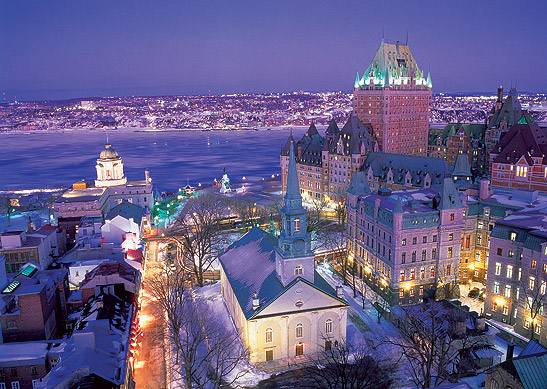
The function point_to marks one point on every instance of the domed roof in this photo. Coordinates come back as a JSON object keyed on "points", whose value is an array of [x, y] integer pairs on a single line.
{"points": [[108, 153]]}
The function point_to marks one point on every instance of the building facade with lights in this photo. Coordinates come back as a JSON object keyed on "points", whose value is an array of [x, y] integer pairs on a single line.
{"points": [[518, 159], [394, 96], [404, 243], [109, 189], [327, 164], [282, 307], [517, 272]]}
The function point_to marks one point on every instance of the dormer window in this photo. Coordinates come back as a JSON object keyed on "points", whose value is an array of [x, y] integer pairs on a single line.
{"points": [[298, 270], [513, 236]]}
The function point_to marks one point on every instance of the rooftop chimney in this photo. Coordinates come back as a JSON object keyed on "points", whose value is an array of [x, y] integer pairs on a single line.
{"points": [[510, 351], [339, 292], [256, 302]]}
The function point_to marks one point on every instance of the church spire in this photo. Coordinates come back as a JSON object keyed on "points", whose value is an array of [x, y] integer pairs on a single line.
{"points": [[293, 198]]}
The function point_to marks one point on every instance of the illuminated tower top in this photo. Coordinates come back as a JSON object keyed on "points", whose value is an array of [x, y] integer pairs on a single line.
{"points": [[393, 65]]}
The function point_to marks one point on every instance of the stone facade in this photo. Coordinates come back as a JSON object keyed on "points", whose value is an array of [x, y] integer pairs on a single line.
{"points": [[405, 242]]}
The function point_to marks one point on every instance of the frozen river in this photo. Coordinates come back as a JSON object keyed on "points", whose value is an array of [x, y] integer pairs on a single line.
{"points": [[54, 159]]}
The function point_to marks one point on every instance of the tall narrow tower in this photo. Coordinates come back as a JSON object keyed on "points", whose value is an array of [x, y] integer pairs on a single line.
{"points": [[294, 257], [394, 96]]}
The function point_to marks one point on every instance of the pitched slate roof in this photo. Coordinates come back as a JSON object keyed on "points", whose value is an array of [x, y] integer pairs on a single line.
{"points": [[462, 167], [332, 128], [522, 140], [471, 130], [354, 134], [249, 265], [510, 110], [399, 164], [359, 185], [126, 210], [448, 196]]}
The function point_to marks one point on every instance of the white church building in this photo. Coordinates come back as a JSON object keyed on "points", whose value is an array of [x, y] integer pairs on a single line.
{"points": [[283, 309]]}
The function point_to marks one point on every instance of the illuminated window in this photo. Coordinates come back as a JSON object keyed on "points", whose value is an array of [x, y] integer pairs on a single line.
{"points": [[269, 335], [403, 243], [450, 236], [542, 287], [526, 324], [421, 290], [451, 216], [450, 252], [422, 273], [533, 264], [432, 272], [496, 287], [494, 306], [401, 293], [299, 330], [531, 283], [507, 292], [509, 271], [298, 270], [498, 268], [297, 225], [412, 274], [513, 236], [402, 277], [448, 267], [505, 310], [411, 291]]}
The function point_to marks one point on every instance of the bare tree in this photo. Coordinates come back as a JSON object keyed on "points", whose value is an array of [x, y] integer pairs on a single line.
{"points": [[434, 341], [205, 350], [315, 218], [198, 232], [341, 213], [534, 290], [333, 239], [341, 365]]}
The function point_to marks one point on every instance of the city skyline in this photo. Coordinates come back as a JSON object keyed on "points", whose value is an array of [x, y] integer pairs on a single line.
{"points": [[65, 50]]}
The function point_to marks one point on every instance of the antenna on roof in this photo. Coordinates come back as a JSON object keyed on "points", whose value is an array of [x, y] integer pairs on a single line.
{"points": [[106, 132], [383, 34], [406, 43]]}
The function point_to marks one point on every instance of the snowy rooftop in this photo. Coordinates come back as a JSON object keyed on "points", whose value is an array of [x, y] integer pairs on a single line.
{"points": [[24, 353], [249, 265]]}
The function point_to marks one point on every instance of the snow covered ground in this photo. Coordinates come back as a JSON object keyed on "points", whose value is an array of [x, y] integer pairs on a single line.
{"points": [[213, 296], [474, 304]]}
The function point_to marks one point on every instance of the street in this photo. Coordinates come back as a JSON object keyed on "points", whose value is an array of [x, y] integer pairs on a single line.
{"points": [[150, 367]]}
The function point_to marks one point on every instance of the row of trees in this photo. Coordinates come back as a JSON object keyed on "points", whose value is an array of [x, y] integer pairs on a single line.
{"points": [[208, 354], [200, 234]]}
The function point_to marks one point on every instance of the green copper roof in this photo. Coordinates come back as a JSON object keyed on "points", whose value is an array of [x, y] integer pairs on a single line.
{"points": [[526, 119]]}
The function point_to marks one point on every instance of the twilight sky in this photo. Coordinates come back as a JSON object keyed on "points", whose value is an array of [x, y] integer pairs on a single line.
{"points": [[60, 49]]}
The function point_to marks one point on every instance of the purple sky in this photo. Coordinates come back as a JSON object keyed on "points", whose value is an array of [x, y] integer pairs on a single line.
{"points": [[60, 49]]}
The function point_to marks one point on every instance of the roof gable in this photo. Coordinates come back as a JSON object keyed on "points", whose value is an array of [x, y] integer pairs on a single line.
{"points": [[301, 295]]}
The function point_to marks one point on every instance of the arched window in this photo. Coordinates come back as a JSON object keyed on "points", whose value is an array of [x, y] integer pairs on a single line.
{"points": [[269, 335], [298, 270], [297, 224], [299, 330], [328, 326]]}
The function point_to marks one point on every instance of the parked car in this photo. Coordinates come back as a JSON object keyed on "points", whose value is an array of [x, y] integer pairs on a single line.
{"points": [[473, 293]]}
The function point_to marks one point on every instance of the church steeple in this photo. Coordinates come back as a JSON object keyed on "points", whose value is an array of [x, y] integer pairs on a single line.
{"points": [[294, 256]]}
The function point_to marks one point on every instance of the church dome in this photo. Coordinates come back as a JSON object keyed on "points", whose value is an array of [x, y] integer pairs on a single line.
{"points": [[108, 153]]}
